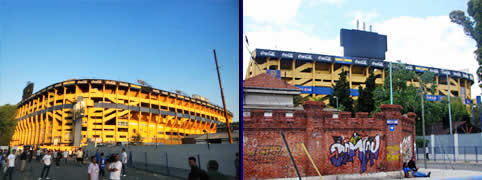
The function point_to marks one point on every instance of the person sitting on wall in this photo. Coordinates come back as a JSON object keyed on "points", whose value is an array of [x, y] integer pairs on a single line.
{"points": [[409, 173]]}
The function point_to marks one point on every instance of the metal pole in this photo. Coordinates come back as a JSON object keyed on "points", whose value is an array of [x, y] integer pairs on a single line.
{"points": [[391, 91], [480, 117], [450, 112], [222, 96], [289, 152], [423, 126], [473, 121]]}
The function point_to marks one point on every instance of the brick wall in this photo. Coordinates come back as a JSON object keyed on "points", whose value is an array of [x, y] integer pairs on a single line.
{"points": [[342, 145]]}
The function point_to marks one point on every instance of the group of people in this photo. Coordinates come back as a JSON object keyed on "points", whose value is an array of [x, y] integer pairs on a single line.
{"points": [[199, 174], [45, 157], [116, 165], [410, 169]]}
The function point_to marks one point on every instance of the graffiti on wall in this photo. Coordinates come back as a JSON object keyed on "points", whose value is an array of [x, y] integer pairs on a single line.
{"points": [[393, 153], [345, 150], [407, 148], [265, 154]]}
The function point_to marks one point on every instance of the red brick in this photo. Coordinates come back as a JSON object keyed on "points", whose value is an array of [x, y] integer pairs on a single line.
{"points": [[265, 154]]}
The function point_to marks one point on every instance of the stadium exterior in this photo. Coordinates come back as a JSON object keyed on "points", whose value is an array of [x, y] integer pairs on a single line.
{"points": [[316, 73], [75, 112]]}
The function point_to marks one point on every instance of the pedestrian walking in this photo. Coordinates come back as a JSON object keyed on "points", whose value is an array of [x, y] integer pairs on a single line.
{"points": [[30, 155], [66, 155], [97, 155], [55, 153], [3, 159], [101, 166], [47, 161], [213, 171], [10, 165], [426, 152], [124, 162], [80, 155], [196, 173], [57, 158], [93, 169], [38, 155], [23, 158], [115, 168], [237, 165]]}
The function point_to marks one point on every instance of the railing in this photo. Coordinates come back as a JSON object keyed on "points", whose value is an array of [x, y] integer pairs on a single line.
{"points": [[452, 153]]}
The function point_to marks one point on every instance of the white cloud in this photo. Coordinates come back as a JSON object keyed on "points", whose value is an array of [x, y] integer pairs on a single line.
{"points": [[289, 40], [337, 3], [362, 17], [271, 11], [428, 41]]}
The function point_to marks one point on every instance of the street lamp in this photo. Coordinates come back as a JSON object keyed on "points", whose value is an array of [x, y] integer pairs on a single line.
{"points": [[207, 136], [336, 101], [473, 107], [422, 96]]}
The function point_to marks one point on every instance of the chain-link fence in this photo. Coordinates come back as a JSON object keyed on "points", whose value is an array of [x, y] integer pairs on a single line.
{"points": [[172, 160], [451, 153]]}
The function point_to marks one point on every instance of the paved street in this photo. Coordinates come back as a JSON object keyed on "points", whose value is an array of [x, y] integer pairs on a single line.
{"points": [[73, 171], [470, 166]]}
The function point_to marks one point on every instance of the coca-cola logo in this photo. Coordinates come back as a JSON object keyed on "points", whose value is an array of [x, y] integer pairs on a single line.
{"points": [[287, 55], [364, 62], [304, 56], [379, 64], [267, 53], [324, 58]]}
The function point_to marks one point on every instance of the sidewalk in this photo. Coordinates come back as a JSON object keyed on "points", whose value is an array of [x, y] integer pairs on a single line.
{"points": [[436, 174], [73, 171]]}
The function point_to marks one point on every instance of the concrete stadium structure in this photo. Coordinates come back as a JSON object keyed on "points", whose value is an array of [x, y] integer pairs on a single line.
{"points": [[316, 73], [73, 113]]}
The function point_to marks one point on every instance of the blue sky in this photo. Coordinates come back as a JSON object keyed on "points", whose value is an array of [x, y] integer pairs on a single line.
{"points": [[166, 43], [419, 32]]}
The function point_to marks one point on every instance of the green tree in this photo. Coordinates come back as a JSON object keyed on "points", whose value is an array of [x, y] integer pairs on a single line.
{"points": [[342, 91], [137, 139], [472, 28], [459, 111], [298, 99], [403, 94], [365, 102], [7, 123]]}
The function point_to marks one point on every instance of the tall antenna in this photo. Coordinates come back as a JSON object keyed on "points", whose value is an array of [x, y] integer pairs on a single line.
{"points": [[222, 96], [363, 25], [370, 28], [357, 24]]}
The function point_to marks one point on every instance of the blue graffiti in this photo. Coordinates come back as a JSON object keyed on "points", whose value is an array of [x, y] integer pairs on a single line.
{"points": [[367, 148]]}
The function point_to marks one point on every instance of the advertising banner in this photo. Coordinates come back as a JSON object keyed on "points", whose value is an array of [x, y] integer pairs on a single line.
{"points": [[306, 89], [274, 73]]}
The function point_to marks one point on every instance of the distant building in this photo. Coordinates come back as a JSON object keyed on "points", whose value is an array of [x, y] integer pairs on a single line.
{"points": [[267, 92], [195, 96], [220, 137]]}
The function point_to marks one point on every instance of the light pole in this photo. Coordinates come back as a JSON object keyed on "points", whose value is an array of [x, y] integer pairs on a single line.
{"points": [[391, 93], [336, 101], [423, 124], [473, 107], [207, 137], [450, 112]]}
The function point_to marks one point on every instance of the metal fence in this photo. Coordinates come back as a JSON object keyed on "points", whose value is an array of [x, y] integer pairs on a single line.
{"points": [[452, 153], [172, 160]]}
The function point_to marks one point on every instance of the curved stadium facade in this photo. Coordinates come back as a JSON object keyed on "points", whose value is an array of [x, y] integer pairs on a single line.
{"points": [[315, 73], [75, 112]]}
